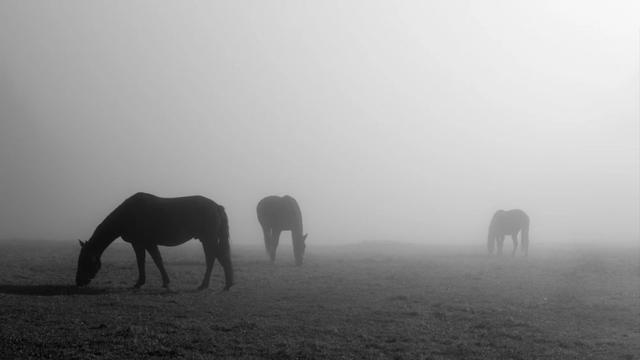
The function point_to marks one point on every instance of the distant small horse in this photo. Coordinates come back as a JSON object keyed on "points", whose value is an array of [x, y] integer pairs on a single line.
{"points": [[509, 222], [146, 221], [277, 214]]}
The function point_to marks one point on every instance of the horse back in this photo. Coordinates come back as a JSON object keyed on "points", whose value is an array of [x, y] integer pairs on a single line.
{"points": [[510, 221], [169, 221], [281, 213]]}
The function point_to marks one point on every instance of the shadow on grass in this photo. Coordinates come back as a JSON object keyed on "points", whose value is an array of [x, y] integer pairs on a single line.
{"points": [[49, 290], [57, 290]]}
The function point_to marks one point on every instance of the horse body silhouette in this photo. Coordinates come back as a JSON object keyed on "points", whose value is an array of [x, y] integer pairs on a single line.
{"points": [[146, 221], [509, 222], [277, 214]]}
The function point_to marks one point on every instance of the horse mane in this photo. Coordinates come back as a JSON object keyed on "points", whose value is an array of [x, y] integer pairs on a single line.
{"points": [[109, 229], [298, 213], [494, 218]]}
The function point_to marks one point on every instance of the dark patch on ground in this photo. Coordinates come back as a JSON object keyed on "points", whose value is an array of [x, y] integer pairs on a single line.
{"points": [[49, 290]]}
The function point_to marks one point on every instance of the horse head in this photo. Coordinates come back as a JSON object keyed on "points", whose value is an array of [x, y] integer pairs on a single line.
{"points": [[88, 265], [298, 248]]}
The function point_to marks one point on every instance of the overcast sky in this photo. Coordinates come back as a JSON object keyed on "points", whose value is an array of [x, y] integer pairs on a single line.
{"points": [[387, 120]]}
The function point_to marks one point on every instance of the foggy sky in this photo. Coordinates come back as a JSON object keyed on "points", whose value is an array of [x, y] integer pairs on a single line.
{"points": [[387, 120]]}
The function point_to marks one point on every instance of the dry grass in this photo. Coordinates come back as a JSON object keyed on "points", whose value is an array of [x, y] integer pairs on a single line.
{"points": [[361, 301]]}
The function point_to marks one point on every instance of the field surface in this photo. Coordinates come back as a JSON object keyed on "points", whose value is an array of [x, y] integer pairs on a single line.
{"points": [[370, 300]]}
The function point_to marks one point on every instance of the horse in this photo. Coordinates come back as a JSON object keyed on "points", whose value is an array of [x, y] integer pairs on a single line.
{"points": [[509, 222], [146, 221], [277, 214]]}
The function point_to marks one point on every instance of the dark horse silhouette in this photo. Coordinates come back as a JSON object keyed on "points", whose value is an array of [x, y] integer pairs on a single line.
{"points": [[509, 222], [277, 214], [146, 221]]}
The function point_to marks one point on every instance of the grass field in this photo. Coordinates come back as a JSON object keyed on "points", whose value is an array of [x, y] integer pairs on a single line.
{"points": [[371, 300]]}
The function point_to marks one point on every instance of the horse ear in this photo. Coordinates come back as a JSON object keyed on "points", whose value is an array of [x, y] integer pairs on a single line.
{"points": [[81, 243], [304, 237]]}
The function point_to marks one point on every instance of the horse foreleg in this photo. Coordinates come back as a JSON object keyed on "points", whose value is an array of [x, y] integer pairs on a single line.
{"points": [[157, 258], [514, 237], [500, 244], [525, 240], [210, 258], [275, 239], [140, 258]]}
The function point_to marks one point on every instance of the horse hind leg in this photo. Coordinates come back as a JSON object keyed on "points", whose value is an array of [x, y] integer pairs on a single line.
{"points": [[275, 239], [157, 258], [268, 242], [514, 237], [208, 246], [525, 241]]}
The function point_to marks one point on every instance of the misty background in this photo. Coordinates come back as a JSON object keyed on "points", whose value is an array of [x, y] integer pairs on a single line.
{"points": [[406, 120]]}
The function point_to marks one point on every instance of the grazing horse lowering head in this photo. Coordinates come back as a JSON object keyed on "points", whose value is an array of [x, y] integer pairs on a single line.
{"points": [[508, 223], [298, 248], [88, 265]]}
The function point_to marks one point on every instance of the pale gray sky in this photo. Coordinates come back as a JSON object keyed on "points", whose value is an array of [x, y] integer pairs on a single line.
{"points": [[387, 120]]}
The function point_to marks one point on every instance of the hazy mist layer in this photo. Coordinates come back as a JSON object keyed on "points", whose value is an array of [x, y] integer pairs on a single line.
{"points": [[407, 121]]}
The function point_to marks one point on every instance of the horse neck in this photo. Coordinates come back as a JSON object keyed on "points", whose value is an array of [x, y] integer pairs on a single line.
{"points": [[109, 229], [297, 232], [101, 239], [492, 226], [296, 229], [99, 243]]}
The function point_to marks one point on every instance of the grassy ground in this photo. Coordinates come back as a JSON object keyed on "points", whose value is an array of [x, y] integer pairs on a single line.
{"points": [[359, 301]]}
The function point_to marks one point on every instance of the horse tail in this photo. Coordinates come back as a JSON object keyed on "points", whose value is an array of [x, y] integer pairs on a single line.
{"points": [[525, 236], [224, 248], [491, 241], [491, 238], [223, 231]]}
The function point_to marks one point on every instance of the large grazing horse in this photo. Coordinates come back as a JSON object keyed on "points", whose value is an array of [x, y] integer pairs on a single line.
{"points": [[277, 214], [146, 221], [509, 222]]}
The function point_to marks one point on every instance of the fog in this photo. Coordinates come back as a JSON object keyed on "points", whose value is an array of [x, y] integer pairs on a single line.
{"points": [[403, 121]]}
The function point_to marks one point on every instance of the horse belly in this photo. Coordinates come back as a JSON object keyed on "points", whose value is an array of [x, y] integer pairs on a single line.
{"points": [[173, 241], [169, 225], [177, 236], [167, 236], [511, 229]]}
